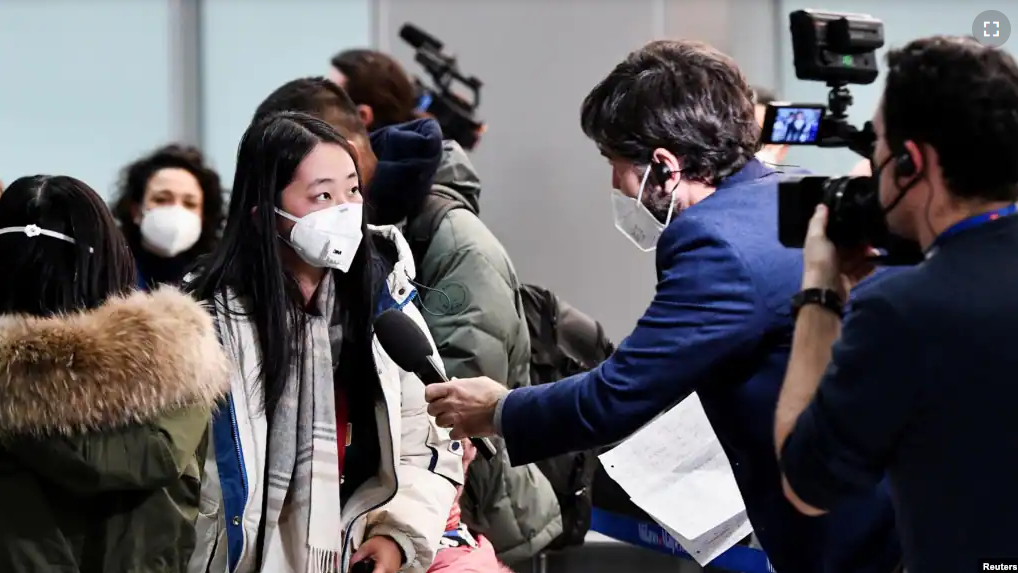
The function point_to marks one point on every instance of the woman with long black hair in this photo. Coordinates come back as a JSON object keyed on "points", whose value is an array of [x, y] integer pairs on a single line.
{"points": [[324, 453], [105, 393]]}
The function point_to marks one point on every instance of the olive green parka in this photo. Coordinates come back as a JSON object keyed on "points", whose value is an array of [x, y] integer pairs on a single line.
{"points": [[103, 429]]}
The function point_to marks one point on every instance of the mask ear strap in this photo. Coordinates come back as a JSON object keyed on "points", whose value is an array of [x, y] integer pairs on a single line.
{"points": [[671, 199], [286, 215], [643, 184]]}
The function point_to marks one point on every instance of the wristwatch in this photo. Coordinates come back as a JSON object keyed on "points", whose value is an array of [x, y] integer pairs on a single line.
{"points": [[824, 297]]}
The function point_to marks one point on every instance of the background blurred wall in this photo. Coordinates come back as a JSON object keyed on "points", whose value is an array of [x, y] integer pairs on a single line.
{"points": [[251, 47], [88, 86], [84, 86]]}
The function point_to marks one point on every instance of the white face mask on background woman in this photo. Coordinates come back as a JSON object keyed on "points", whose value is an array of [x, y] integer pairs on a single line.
{"points": [[328, 238], [170, 230]]}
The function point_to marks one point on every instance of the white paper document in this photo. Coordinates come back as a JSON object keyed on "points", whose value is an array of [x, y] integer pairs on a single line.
{"points": [[675, 469]]}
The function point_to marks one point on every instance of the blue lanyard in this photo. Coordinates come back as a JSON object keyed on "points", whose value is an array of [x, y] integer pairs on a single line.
{"points": [[976, 220]]}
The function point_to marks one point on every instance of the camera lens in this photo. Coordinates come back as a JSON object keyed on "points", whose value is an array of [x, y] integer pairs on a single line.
{"points": [[850, 202]]}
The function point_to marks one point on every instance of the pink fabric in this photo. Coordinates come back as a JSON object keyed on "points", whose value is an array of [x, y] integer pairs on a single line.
{"points": [[453, 523], [468, 560]]}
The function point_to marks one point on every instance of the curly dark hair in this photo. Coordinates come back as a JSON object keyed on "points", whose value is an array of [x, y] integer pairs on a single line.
{"points": [[683, 96], [134, 178], [961, 99]]}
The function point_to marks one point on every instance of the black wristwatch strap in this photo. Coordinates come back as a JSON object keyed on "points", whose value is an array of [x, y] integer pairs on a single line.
{"points": [[824, 297]]}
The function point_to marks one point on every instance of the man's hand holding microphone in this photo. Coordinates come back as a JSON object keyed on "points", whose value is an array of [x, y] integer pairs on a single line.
{"points": [[466, 405]]}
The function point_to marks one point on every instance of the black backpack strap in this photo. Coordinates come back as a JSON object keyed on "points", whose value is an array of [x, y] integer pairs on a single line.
{"points": [[581, 337], [553, 324], [421, 228], [540, 307]]}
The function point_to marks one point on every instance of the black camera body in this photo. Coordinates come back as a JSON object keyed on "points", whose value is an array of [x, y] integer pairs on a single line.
{"points": [[835, 47], [454, 113], [853, 219], [838, 49]]}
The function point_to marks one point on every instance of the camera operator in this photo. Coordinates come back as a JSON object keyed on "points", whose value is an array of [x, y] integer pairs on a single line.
{"points": [[920, 381]]}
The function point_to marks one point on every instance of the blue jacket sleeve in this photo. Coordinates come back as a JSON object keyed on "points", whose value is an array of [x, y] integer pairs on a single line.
{"points": [[705, 314], [840, 444]]}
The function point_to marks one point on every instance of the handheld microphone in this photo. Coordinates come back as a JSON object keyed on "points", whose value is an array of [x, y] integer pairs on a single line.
{"points": [[409, 348], [418, 38]]}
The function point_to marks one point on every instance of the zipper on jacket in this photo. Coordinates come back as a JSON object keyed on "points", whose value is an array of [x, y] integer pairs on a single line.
{"points": [[395, 470], [234, 427], [240, 453], [243, 483], [245, 489]]}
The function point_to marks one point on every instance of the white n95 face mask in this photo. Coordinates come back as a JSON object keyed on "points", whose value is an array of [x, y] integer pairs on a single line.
{"points": [[171, 230], [328, 238], [634, 220]]}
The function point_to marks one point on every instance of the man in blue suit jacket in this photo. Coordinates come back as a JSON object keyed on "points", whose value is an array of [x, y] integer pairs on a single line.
{"points": [[676, 122]]}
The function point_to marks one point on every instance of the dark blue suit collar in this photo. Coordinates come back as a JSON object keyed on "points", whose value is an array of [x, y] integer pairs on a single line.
{"points": [[749, 172]]}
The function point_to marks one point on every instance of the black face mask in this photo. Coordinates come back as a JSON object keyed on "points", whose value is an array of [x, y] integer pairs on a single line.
{"points": [[896, 250]]}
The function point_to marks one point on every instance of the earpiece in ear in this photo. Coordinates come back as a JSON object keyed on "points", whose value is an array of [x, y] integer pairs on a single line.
{"points": [[904, 166], [661, 172]]}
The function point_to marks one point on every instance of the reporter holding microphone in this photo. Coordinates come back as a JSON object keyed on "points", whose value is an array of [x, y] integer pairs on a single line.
{"points": [[676, 122]]}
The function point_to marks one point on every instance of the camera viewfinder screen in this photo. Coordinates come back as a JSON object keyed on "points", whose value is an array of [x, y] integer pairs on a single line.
{"points": [[796, 125]]}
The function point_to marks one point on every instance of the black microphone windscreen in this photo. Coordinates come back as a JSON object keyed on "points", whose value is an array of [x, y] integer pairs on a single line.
{"points": [[402, 339], [417, 38]]}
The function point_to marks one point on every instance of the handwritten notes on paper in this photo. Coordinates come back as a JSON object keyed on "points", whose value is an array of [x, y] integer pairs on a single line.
{"points": [[675, 469]]}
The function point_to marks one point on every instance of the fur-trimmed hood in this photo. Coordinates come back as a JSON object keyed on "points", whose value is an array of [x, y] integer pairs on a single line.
{"points": [[128, 361]]}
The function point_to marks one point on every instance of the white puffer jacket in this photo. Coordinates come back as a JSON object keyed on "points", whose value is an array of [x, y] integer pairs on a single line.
{"points": [[408, 500]]}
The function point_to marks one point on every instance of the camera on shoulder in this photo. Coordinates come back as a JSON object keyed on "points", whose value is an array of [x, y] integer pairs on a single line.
{"points": [[455, 113], [838, 49]]}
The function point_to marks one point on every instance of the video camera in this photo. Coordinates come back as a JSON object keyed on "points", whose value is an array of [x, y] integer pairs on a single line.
{"points": [[838, 49], [453, 112]]}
